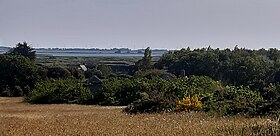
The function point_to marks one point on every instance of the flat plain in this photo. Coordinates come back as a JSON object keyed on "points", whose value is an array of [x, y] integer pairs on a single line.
{"points": [[19, 118]]}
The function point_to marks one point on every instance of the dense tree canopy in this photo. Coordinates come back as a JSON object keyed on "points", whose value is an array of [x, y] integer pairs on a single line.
{"points": [[17, 75], [255, 68]]}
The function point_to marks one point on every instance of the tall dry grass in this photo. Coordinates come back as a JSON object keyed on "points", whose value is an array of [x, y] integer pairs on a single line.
{"points": [[19, 119]]}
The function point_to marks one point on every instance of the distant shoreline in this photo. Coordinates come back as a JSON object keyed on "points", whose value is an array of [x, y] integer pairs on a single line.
{"points": [[80, 52]]}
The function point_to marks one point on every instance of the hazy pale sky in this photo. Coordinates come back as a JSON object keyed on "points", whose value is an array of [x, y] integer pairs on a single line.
{"points": [[170, 24]]}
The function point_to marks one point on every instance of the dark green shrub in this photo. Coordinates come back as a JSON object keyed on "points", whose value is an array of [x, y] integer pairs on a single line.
{"points": [[130, 91], [76, 73], [163, 95], [105, 70], [271, 104], [91, 72], [107, 95], [232, 100], [120, 91], [254, 68], [17, 75], [60, 91], [58, 72], [154, 73], [194, 85], [121, 76], [42, 72], [152, 102]]}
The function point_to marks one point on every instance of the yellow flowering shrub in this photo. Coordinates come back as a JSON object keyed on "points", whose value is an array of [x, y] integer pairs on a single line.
{"points": [[189, 104]]}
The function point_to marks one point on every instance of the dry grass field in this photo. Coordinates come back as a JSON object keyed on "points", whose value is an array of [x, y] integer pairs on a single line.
{"points": [[17, 118]]}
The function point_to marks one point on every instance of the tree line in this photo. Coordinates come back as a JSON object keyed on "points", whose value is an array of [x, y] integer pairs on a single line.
{"points": [[240, 66], [223, 81]]}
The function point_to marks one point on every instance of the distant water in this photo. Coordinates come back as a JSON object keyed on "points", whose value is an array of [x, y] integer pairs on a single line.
{"points": [[88, 53], [97, 54]]}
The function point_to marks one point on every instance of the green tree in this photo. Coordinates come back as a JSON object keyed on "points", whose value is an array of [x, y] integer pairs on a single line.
{"points": [[17, 75], [146, 62], [105, 70], [23, 49], [254, 68]]}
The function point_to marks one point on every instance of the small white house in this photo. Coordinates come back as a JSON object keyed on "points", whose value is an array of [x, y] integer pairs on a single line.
{"points": [[83, 67]]}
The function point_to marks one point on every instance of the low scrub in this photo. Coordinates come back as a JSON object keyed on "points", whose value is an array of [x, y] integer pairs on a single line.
{"points": [[207, 95], [152, 95], [59, 91], [151, 102], [233, 100], [121, 91], [154, 73]]}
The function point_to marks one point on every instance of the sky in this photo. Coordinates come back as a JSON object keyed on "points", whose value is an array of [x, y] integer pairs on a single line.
{"points": [[159, 24]]}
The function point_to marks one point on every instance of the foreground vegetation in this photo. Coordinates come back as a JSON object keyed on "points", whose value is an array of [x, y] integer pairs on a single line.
{"points": [[220, 82], [19, 118]]}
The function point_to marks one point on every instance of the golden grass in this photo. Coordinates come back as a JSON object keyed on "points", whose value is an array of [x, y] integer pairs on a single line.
{"points": [[19, 119]]}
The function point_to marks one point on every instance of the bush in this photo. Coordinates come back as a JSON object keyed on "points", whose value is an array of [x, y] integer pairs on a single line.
{"points": [[58, 72], [17, 75], [60, 91], [91, 72], [160, 95], [120, 91], [189, 104], [194, 85], [105, 70], [163, 95], [232, 100], [151, 102], [107, 95], [76, 73], [271, 104], [42, 72], [153, 73]]}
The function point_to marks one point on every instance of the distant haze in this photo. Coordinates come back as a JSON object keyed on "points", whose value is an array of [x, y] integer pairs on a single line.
{"points": [[164, 24]]}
